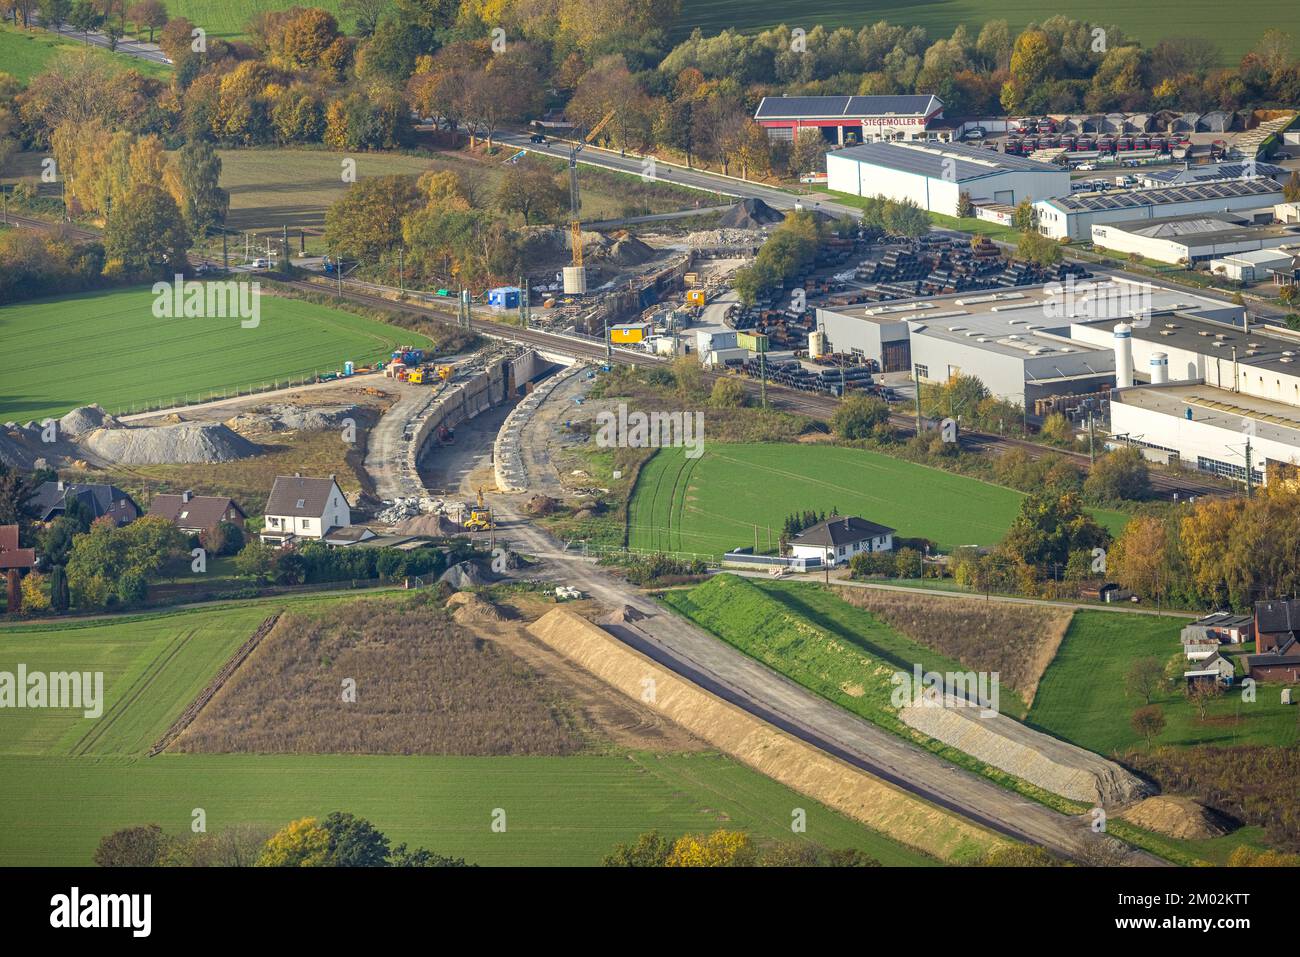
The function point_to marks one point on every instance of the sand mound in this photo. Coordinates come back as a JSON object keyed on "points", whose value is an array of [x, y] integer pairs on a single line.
{"points": [[464, 575], [433, 525], [629, 251], [1180, 817], [169, 444], [750, 214], [86, 419], [1040, 759], [472, 608]]}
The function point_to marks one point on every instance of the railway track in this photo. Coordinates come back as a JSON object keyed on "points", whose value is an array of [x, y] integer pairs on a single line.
{"points": [[816, 406]]}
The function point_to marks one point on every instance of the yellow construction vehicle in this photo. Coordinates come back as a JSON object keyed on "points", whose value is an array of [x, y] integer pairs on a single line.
{"points": [[480, 516], [416, 376], [445, 372]]}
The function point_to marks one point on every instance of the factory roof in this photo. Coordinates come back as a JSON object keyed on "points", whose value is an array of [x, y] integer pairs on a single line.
{"points": [[1212, 337], [1226, 410], [1165, 196], [1203, 228], [1210, 171], [848, 107], [943, 160]]}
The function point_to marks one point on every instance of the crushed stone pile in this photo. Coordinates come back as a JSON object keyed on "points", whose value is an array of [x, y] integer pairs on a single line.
{"points": [[621, 616], [87, 418], [187, 443], [1038, 758], [1180, 817], [465, 574], [403, 508], [283, 417], [723, 237], [750, 214]]}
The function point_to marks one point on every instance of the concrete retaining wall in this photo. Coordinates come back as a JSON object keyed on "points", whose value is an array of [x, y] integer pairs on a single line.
{"points": [[508, 463]]}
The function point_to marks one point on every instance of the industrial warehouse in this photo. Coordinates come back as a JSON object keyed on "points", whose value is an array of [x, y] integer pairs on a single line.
{"points": [[1193, 238], [1072, 217], [851, 119], [936, 176]]}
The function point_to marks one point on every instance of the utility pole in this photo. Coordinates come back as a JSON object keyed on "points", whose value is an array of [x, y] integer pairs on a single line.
{"points": [[338, 271], [225, 251], [1092, 455], [1250, 482], [916, 394], [762, 373], [609, 341], [401, 271]]}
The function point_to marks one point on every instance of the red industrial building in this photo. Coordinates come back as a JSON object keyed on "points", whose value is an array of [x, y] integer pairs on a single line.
{"points": [[854, 119]]}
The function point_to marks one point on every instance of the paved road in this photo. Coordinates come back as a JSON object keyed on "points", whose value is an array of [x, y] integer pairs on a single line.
{"points": [[140, 49]]}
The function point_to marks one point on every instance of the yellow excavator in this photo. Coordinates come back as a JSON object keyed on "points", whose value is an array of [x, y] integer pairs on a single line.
{"points": [[480, 516]]}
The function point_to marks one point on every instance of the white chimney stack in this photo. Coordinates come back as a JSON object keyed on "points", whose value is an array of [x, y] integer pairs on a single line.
{"points": [[1123, 356], [1159, 368]]}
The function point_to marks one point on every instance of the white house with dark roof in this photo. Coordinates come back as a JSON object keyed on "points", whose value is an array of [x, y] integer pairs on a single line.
{"points": [[301, 507], [840, 537]]}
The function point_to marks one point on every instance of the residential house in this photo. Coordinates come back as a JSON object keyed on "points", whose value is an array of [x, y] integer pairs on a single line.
{"points": [[1276, 623], [1281, 664], [840, 537], [197, 513], [52, 499], [1214, 668], [308, 508]]}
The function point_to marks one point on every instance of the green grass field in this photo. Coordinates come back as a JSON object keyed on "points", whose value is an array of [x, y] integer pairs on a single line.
{"points": [[712, 504], [1235, 31], [150, 665], [111, 349], [559, 811], [66, 781], [227, 18], [1082, 697], [25, 53]]}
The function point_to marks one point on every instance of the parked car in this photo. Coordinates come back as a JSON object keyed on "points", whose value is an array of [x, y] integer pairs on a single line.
{"points": [[537, 138], [1086, 167], [975, 133]]}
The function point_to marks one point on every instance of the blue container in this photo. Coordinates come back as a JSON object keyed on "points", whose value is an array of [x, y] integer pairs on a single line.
{"points": [[504, 297]]}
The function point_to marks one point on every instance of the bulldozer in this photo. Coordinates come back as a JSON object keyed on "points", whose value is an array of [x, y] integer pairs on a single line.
{"points": [[480, 516]]}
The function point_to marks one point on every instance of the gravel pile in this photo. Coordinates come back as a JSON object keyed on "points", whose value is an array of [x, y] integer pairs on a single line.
{"points": [[86, 419], [187, 443], [464, 575], [280, 418], [750, 214], [404, 508], [630, 251], [723, 237]]}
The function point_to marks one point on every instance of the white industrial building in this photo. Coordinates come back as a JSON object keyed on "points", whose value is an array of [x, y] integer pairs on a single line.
{"points": [[935, 175], [853, 119], [1255, 266], [1073, 217], [1193, 238], [1208, 171], [1015, 341]]}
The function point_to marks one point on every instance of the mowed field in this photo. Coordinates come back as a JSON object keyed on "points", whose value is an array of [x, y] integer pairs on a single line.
{"points": [[109, 348], [66, 781], [24, 53], [227, 18], [1082, 698], [712, 504], [1235, 30]]}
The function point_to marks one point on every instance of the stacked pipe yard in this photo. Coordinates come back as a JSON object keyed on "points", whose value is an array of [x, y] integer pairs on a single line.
{"points": [[507, 460], [1123, 356]]}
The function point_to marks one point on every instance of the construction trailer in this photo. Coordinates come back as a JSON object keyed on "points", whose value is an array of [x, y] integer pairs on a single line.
{"points": [[632, 333]]}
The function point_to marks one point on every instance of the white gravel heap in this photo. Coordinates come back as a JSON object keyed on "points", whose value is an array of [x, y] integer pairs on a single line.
{"points": [[182, 444]]}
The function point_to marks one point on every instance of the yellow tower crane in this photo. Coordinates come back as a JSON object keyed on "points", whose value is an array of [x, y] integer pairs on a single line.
{"points": [[575, 222]]}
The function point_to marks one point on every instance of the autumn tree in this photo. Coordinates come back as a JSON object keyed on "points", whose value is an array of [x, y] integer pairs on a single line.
{"points": [[301, 843], [650, 849], [131, 847], [150, 14], [1118, 476], [722, 848], [1145, 678], [145, 235], [1148, 722], [366, 222], [205, 203], [530, 188]]}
